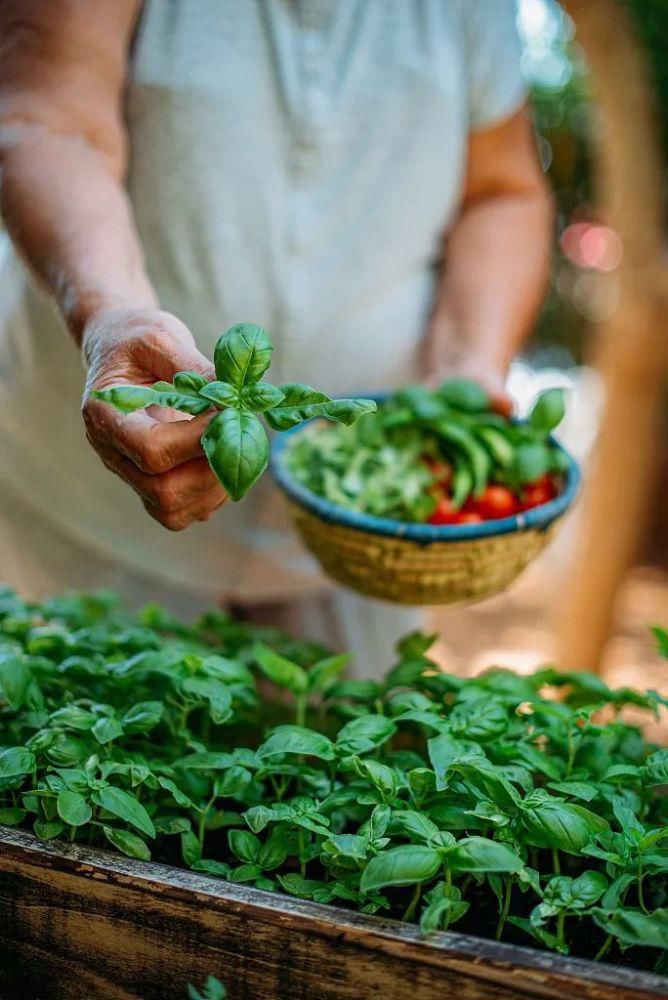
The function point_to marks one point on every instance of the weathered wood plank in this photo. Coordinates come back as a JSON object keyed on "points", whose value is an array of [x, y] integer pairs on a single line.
{"points": [[80, 923]]}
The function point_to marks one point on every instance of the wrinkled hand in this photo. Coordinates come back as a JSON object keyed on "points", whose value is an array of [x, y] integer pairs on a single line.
{"points": [[157, 452]]}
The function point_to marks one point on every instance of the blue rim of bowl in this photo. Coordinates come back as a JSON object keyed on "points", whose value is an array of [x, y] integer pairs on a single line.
{"points": [[539, 518]]}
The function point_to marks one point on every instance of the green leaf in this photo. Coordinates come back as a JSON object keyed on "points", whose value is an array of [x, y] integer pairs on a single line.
{"points": [[190, 382], [481, 719], [562, 825], [301, 402], [215, 693], [221, 394], [548, 411], [242, 355], [128, 843], [364, 734], [633, 927], [444, 751], [142, 717], [404, 865], [412, 824], [120, 803], [15, 679], [12, 816], [236, 446], [107, 729], [281, 671], [244, 845], [323, 673], [47, 829], [205, 761], [191, 850], [179, 796], [465, 395], [15, 762], [479, 854], [532, 461], [73, 808], [213, 990], [261, 397], [583, 790], [296, 740], [129, 398], [655, 770]]}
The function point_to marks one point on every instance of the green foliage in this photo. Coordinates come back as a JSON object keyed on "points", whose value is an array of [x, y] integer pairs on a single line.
{"points": [[235, 441], [480, 803], [389, 464]]}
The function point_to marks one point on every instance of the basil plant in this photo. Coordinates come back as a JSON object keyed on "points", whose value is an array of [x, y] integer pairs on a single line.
{"points": [[235, 441]]}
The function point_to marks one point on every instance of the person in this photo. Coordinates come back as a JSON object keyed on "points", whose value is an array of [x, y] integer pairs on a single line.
{"points": [[361, 179]]}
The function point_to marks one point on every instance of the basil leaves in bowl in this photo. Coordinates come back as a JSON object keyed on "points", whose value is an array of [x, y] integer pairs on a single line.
{"points": [[433, 499]]}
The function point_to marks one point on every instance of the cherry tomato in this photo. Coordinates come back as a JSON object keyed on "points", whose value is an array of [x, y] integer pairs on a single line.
{"points": [[445, 513], [540, 492], [497, 501], [468, 517]]}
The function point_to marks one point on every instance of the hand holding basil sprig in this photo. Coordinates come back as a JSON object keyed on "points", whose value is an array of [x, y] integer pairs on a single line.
{"points": [[235, 441]]}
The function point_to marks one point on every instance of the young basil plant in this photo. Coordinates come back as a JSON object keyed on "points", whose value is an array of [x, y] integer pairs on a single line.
{"points": [[235, 441], [479, 803]]}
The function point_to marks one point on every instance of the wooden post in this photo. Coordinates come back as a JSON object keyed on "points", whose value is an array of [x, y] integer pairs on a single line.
{"points": [[630, 349]]}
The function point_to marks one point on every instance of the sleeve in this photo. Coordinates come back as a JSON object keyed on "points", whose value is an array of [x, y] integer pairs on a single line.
{"points": [[496, 86]]}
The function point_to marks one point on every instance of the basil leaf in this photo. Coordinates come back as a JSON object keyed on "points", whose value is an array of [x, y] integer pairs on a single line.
{"points": [[280, 670], [479, 854], [364, 734], [73, 808], [404, 865], [12, 816], [635, 927], [15, 679], [244, 845], [47, 829], [107, 729], [128, 843], [532, 461], [120, 803], [301, 402], [129, 398], [296, 740], [412, 824], [189, 382], [142, 717], [548, 411], [236, 446], [323, 673], [15, 762], [261, 396], [221, 393], [242, 355], [563, 825], [215, 693]]}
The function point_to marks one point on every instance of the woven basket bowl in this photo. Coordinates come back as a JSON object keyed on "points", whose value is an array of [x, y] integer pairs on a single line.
{"points": [[417, 564]]}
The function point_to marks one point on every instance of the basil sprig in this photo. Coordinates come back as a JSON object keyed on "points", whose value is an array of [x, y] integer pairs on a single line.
{"points": [[235, 441]]}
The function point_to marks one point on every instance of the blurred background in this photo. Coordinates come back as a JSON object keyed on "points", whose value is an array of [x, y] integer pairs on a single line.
{"points": [[588, 601]]}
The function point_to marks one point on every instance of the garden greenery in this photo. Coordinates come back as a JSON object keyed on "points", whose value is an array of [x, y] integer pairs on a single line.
{"points": [[235, 442], [524, 808]]}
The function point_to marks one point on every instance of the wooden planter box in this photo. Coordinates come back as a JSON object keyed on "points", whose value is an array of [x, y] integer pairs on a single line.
{"points": [[79, 924]]}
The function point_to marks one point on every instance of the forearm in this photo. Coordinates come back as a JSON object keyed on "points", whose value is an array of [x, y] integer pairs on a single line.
{"points": [[493, 280], [71, 221]]}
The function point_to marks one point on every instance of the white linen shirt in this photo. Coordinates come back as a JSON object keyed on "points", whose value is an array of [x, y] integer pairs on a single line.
{"points": [[293, 163]]}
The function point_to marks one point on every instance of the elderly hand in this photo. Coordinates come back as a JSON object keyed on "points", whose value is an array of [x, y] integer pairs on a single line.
{"points": [[159, 455]]}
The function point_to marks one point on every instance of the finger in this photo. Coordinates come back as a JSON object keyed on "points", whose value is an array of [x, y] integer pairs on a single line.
{"points": [[153, 446], [180, 519], [170, 491]]}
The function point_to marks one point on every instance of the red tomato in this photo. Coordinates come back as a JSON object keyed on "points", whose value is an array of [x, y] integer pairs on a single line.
{"points": [[468, 517], [495, 502], [445, 513], [540, 492]]}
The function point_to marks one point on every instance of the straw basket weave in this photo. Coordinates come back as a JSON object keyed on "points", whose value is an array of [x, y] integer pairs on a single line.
{"points": [[417, 563], [407, 572]]}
